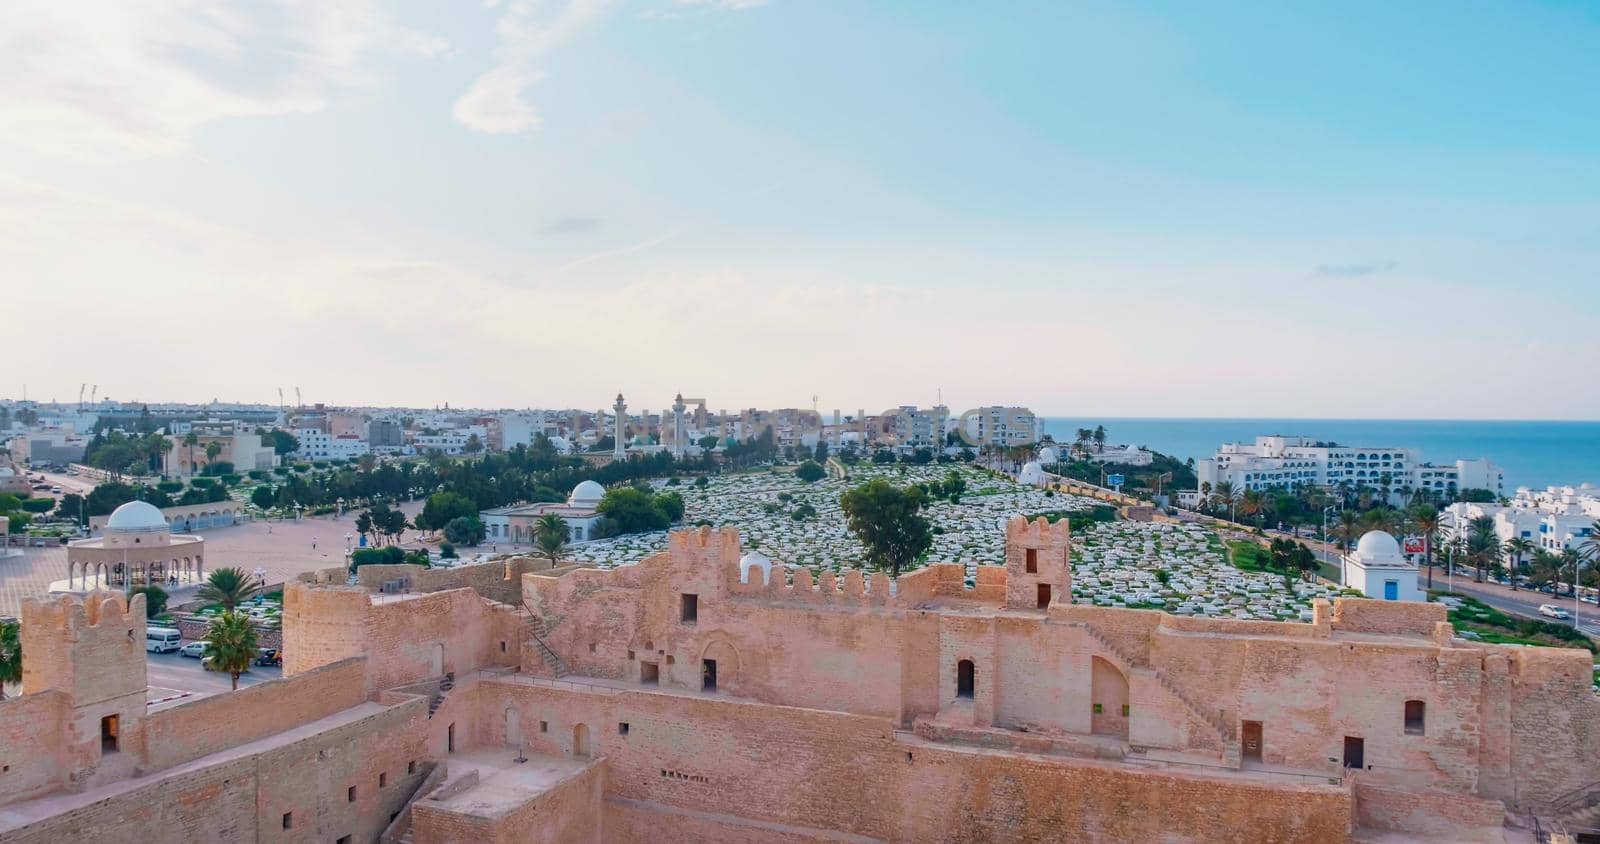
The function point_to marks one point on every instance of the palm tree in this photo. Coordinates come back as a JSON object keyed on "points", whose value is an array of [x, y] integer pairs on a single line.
{"points": [[10, 655], [1099, 438], [1426, 520], [550, 532], [213, 449], [229, 587], [1483, 543], [1252, 503], [190, 440], [1349, 528], [1226, 496], [1515, 549], [231, 644]]}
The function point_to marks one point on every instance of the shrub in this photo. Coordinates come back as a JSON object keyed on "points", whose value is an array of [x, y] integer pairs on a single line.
{"points": [[280, 470], [672, 481], [232, 479], [701, 482], [155, 600], [170, 487], [810, 472], [258, 474], [391, 555], [447, 551], [203, 483], [465, 530], [38, 505]]}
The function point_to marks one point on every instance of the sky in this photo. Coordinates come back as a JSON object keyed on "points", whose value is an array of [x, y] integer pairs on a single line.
{"points": [[1322, 210]]}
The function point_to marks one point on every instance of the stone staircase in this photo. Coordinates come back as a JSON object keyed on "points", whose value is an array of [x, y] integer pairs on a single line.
{"points": [[1224, 727], [550, 658], [445, 685]]}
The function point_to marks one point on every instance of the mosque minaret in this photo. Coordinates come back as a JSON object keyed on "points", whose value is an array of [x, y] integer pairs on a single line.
{"points": [[617, 447]]}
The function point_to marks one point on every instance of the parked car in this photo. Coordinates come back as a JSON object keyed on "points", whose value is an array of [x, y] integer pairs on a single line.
{"points": [[194, 649], [1553, 611], [56, 490], [268, 656], [161, 640]]}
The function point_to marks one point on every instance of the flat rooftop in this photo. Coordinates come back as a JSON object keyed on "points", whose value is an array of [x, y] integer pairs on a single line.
{"points": [[504, 784]]}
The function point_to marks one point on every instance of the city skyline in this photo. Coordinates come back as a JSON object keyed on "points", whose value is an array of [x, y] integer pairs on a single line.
{"points": [[516, 204]]}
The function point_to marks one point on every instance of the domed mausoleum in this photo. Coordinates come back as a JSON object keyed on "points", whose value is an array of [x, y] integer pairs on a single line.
{"points": [[1378, 570], [136, 548]]}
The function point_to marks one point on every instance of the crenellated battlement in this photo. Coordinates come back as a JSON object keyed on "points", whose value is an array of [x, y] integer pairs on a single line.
{"points": [[1038, 563], [95, 610], [852, 588]]}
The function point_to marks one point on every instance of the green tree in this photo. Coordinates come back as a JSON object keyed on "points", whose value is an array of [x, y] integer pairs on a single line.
{"points": [[810, 472], [954, 485], [550, 534], [444, 507], [72, 506], [155, 600], [282, 442], [465, 530], [229, 587], [231, 644], [190, 440], [364, 523], [473, 445], [888, 522], [632, 510], [10, 654], [1099, 437]]}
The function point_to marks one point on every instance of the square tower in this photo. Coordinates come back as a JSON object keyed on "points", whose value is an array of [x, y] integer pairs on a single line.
{"points": [[93, 652], [1038, 563]]}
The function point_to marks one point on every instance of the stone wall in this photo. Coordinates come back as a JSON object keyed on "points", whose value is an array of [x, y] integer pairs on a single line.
{"points": [[781, 769], [191, 730], [1438, 815], [30, 752], [242, 797]]}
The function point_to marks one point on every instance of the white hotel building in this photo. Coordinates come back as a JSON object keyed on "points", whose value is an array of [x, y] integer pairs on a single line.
{"points": [[1282, 462], [1553, 519]]}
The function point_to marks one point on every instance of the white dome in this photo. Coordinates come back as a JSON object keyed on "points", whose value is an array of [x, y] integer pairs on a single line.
{"points": [[586, 494], [1032, 473], [1048, 454], [755, 560], [136, 517], [1378, 547]]}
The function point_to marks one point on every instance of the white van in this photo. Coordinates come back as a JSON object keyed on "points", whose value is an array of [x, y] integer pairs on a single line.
{"points": [[161, 640]]}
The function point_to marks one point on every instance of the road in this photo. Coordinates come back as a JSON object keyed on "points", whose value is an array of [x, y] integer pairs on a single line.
{"points": [[68, 483], [1523, 602], [175, 679]]}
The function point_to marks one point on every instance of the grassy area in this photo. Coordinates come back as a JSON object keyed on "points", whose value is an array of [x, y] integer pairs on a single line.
{"points": [[1491, 625], [1248, 556]]}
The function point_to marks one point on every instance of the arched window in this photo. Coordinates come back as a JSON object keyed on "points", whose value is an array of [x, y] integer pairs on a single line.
{"points": [[1416, 711], [966, 678]]}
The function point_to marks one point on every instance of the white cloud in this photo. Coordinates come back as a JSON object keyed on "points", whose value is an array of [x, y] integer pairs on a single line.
{"points": [[495, 103], [134, 78]]}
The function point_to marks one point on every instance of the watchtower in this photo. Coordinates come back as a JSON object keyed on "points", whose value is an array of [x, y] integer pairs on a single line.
{"points": [[1038, 563], [93, 651]]}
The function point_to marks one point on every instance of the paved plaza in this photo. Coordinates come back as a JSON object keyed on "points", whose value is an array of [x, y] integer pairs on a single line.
{"points": [[282, 548]]}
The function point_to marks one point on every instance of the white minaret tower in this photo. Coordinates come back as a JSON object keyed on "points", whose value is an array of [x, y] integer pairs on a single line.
{"points": [[677, 425], [616, 448]]}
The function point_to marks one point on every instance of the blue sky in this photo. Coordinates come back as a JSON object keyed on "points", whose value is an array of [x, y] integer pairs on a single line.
{"points": [[1161, 209]]}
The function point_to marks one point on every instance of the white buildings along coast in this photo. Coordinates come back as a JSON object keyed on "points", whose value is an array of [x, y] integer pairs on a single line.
{"points": [[1282, 462]]}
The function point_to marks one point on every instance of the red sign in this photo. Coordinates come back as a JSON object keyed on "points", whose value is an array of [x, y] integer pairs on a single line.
{"points": [[1414, 545]]}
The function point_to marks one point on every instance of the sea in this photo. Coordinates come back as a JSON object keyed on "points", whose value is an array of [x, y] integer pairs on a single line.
{"points": [[1532, 454]]}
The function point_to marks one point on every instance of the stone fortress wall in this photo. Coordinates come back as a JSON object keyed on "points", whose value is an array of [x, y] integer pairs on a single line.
{"points": [[843, 708]]}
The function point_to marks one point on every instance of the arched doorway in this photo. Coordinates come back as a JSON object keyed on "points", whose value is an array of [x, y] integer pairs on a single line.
{"points": [[513, 727], [1108, 689], [580, 741], [966, 678]]}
